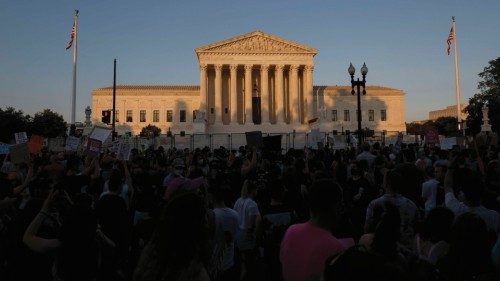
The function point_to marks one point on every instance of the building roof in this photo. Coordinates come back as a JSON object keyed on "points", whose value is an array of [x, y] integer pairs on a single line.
{"points": [[255, 42], [152, 87]]}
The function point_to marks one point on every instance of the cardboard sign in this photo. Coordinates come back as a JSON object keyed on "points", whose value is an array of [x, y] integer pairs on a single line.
{"points": [[4, 148], [100, 134], [448, 143], [72, 143], [254, 139], [35, 144], [272, 143], [431, 136], [124, 148], [21, 137], [19, 153], [94, 147]]}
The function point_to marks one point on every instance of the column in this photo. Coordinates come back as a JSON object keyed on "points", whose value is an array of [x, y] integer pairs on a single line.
{"points": [[203, 89], [294, 95], [233, 96], [264, 93], [278, 84], [248, 94], [218, 93], [309, 98]]}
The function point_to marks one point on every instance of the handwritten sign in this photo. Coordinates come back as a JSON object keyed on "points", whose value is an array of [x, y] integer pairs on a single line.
{"points": [[448, 143], [72, 143], [35, 144], [431, 136], [100, 134], [4, 148], [124, 148], [94, 147], [21, 137], [19, 153], [254, 139]]}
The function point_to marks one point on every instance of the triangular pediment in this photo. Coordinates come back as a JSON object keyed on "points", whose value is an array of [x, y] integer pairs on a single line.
{"points": [[256, 42]]}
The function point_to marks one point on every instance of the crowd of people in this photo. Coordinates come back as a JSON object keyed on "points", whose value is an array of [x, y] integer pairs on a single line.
{"points": [[375, 212]]}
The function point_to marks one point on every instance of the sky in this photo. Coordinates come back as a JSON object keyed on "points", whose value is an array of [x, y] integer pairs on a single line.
{"points": [[402, 42]]}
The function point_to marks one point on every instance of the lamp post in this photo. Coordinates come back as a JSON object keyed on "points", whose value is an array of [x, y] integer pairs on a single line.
{"points": [[358, 84]]}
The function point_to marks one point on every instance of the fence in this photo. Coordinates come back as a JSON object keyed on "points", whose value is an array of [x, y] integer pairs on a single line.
{"points": [[235, 140]]}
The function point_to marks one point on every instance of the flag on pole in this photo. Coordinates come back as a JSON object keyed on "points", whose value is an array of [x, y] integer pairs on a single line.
{"points": [[449, 41], [71, 35]]}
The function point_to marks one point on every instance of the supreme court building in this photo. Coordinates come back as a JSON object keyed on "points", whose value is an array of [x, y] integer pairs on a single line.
{"points": [[252, 82]]}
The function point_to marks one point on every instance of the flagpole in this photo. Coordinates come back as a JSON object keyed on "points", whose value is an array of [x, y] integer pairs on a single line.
{"points": [[73, 96], [457, 79]]}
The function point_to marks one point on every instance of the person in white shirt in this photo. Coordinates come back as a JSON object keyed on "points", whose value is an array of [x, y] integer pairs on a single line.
{"points": [[471, 184], [431, 188], [366, 155], [226, 229]]}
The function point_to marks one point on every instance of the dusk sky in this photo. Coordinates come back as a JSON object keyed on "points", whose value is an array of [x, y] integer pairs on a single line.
{"points": [[402, 42]]}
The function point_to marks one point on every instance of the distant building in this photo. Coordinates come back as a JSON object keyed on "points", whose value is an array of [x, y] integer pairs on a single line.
{"points": [[251, 82], [449, 111]]}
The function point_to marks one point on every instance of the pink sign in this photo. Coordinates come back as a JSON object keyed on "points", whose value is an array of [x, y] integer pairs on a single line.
{"points": [[431, 136]]}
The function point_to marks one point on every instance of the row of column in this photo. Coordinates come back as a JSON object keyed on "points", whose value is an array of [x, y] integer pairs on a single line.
{"points": [[279, 102]]}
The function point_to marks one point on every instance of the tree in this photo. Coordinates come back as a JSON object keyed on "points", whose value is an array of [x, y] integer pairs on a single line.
{"points": [[447, 126], [150, 131], [48, 124], [489, 93], [12, 121]]}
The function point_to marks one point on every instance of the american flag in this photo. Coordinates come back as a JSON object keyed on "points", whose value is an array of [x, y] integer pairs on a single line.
{"points": [[71, 36], [449, 40]]}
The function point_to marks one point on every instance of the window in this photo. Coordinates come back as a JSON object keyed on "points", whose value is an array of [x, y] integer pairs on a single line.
{"points": [[347, 117], [194, 115], [334, 115], [117, 114], [156, 116], [182, 117], [142, 116], [170, 115], [129, 116], [383, 115], [371, 115], [212, 110]]}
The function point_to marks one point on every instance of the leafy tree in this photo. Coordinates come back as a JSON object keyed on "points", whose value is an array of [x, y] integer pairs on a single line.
{"points": [[150, 131], [12, 121], [489, 93], [48, 124], [444, 125]]}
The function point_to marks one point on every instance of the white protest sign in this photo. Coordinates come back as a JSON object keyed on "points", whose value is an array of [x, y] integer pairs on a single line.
{"points": [[100, 134], [4, 148], [124, 148], [72, 143], [314, 138], [339, 141], [448, 143], [21, 137]]}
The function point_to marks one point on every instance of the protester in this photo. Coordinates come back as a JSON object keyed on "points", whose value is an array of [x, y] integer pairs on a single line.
{"points": [[306, 247]]}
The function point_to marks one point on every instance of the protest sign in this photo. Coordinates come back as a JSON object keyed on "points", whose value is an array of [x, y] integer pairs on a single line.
{"points": [[100, 134], [124, 148], [254, 139], [35, 144], [272, 143], [19, 153], [315, 138], [72, 143], [448, 143], [4, 148], [21, 137], [94, 147], [339, 141], [431, 136]]}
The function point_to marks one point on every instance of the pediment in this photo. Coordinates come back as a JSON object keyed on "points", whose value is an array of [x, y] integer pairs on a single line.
{"points": [[256, 42]]}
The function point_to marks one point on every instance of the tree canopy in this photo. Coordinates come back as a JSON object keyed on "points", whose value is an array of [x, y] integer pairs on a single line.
{"points": [[489, 94], [48, 124], [150, 131], [12, 121], [444, 125]]}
